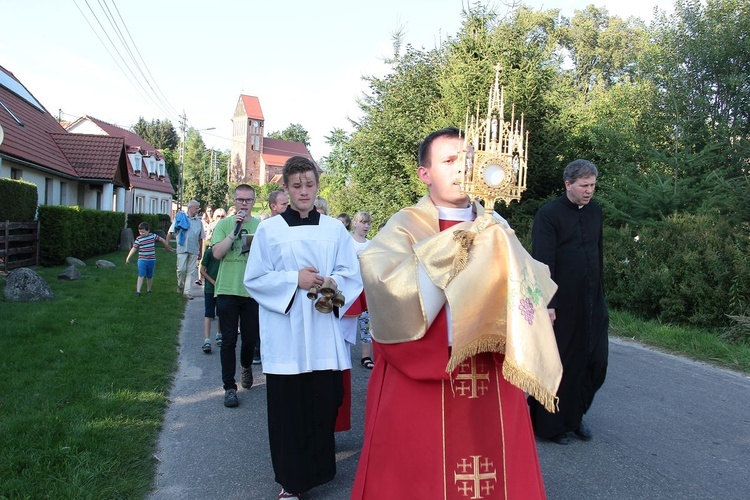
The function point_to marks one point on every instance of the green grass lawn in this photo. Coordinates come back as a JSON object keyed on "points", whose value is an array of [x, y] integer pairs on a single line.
{"points": [[85, 383], [694, 343]]}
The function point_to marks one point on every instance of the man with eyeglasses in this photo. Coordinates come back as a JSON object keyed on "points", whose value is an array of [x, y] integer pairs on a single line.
{"points": [[230, 243]]}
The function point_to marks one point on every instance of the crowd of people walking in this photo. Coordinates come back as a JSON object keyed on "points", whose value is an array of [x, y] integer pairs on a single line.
{"points": [[489, 345]]}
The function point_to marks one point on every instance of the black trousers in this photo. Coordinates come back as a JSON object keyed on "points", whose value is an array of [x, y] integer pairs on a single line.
{"points": [[235, 311]]}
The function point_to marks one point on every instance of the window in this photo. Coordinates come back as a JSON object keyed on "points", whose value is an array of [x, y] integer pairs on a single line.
{"points": [[63, 193], [16, 173], [152, 206], [140, 202], [49, 189], [98, 200], [17, 88], [164, 207]]}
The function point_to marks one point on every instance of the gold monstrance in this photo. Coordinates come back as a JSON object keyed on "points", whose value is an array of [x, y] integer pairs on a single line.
{"points": [[494, 152]]}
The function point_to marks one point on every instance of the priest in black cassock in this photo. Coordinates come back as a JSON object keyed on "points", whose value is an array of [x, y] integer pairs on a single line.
{"points": [[567, 236]]}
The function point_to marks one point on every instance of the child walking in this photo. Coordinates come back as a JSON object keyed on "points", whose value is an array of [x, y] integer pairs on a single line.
{"points": [[145, 243], [209, 270]]}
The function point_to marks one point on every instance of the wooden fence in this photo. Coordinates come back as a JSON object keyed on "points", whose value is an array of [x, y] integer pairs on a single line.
{"points": [[19, 244]]}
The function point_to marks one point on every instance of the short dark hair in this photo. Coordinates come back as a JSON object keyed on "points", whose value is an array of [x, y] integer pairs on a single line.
{"points": [[244, 187], [423, 157], [578, 169], [273, 196], [298, 165], [144, 225]]}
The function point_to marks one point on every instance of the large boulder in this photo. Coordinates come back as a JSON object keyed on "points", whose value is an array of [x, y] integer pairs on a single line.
{"points": [[24, 285], [105, 264], [70, 274], [72, 261]]}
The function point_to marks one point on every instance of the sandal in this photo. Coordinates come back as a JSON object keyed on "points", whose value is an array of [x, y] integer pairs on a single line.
{"points": [[367, 363]]}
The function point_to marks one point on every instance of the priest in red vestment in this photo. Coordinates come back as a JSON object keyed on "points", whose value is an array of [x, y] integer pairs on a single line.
{"points": [[460, 332]]}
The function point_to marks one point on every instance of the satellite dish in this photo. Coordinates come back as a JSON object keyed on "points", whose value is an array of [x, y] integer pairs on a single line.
{"points": [[2, 134]]}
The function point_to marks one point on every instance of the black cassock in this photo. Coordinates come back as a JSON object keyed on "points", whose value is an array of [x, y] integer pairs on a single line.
{"points": [[569, 240]]}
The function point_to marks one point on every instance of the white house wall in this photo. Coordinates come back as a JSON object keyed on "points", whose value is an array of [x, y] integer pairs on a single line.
{"points": [[151, 202], [63, 191], [86, 127]]}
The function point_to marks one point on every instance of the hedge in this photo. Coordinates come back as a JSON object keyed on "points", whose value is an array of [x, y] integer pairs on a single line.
{"points": [[686, 269], [19, 200], [77, 232]]}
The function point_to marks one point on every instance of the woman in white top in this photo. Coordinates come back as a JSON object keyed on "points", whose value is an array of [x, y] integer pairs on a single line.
{"points": [[356, 319]]}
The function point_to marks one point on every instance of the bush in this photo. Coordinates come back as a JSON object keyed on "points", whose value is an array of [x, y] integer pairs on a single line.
{"points": [[77, 232], [154, 221], [685, 269], [19, 200]]}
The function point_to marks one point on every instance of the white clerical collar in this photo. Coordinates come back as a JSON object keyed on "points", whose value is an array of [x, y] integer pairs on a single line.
{"points": [[462, 214]]}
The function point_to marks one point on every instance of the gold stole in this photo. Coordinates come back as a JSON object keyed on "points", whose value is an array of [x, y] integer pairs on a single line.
{"points": [[497, 293]]}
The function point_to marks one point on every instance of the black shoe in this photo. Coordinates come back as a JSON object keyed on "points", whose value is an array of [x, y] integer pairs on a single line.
{"points": [[561, 438], [584, 432], [247, 377], [230, 398]]}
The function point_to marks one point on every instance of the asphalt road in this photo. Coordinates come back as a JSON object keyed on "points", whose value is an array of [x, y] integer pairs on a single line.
{"points": [[664, 428]]}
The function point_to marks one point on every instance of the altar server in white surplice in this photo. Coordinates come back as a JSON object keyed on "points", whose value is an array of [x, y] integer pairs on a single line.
{"points": [[303, 348]]}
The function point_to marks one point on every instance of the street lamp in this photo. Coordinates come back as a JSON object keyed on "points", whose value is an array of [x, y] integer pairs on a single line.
{"points": [[182, 161]]}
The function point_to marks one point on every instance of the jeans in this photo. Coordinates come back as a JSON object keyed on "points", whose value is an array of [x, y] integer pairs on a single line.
{"points": [[236, 311]]}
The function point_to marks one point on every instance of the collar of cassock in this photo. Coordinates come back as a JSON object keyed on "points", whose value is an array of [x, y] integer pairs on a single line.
{"points": [[293, 217]]}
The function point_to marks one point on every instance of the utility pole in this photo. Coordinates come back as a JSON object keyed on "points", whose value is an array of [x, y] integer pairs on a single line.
{"points": [[183, 129]]}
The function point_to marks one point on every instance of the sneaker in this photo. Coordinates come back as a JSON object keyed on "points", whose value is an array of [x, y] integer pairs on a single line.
{"points": [[219, 339], [137, 294], [207, 346], [286, 494], [247, 377], [230, 398], [188, 295], [256, 356]]}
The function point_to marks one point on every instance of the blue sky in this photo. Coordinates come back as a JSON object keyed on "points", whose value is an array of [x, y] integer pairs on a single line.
{"points": [[303, 59]]}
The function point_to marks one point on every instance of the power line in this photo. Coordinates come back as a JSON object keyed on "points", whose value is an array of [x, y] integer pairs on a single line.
{"points": [[111, 18], [107, 49], [143, 61], [143, 92]]}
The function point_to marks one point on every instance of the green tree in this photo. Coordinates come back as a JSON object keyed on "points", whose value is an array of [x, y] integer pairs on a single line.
{"points": [[159, 133], [204, 181], [294, 133], [701, 63], [335, 182]]}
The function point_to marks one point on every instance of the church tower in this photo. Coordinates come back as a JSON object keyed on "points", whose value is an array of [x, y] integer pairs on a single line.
{"points": [[247, 142]]}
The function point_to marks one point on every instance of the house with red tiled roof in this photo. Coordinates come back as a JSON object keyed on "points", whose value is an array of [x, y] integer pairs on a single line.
{"points": [[37, 149], [99, 161], [256, 159], [151, 190]]}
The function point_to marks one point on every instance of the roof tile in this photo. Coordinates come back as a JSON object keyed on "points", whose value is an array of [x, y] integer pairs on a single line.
{"points": [[31, 141]]}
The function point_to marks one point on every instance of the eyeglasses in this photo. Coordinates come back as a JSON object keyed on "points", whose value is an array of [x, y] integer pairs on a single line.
{"points": [[245, 200]]}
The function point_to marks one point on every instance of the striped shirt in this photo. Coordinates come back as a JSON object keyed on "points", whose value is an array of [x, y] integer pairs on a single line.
{"points": [[146, 246]]}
